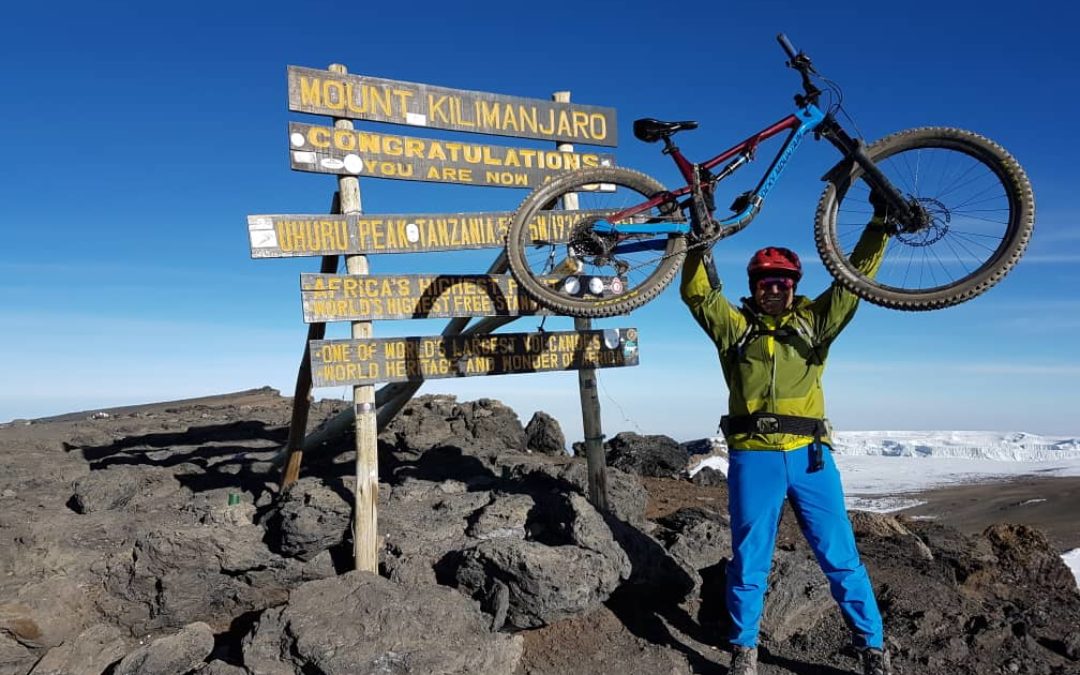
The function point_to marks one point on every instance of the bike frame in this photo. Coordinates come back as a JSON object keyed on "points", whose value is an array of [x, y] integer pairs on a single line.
{"points": [[808, 118]]}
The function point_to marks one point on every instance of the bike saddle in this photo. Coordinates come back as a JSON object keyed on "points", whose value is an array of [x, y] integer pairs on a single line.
{"points": [[650, 130]]}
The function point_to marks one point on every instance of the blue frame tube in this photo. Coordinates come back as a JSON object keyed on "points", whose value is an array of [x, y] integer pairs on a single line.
{"points": [[809, 116]]}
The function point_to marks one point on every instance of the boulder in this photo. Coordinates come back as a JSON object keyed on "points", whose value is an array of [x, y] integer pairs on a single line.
{"points": [[171, 655], [883, 526], [708, 477], [541, 475], [91, 653], [479, 427], [174, 575], [648, 455], [362, 623], [121, 487], [15, 659], [798, 595], [696, 536], [46, 613], [527, 584], [221, 668], [421, 522], [505, 517], [310, 517], [544, 435]]}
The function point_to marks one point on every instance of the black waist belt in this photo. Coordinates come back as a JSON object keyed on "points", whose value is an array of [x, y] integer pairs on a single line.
{"points": [[772, 423]]}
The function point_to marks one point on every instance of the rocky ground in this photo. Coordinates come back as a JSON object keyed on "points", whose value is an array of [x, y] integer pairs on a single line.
{"points": [[121, 553]]}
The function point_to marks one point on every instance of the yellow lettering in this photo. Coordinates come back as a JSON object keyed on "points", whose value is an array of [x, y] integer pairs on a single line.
{"points": [[598, 126], [310, 92], [370, 143], [551, 124], [491, 160], [414, 147], [581, 124], [508, 119], [435, 151], [506, 178], [334, 94], [344, 139], [528, 118], [564, 124], [381, 100], [393, 146], [435, 110], [403, 99], [487, 113], [318, 137]]}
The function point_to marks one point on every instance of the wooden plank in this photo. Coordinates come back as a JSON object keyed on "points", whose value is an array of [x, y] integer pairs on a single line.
{"points": [[282, 236], [361, 97], [340, 362], [348, 152], [329, 297], [302, 392]]}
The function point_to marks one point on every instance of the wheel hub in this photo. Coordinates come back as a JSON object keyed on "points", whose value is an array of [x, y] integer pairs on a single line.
{"points": [[932, 223], [585, 242]]}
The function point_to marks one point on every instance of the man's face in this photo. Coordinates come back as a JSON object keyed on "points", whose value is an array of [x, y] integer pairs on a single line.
{"points": [[774, 295]]}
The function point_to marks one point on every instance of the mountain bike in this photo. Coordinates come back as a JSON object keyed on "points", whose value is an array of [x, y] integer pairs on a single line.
{"points": [[959, 210]]}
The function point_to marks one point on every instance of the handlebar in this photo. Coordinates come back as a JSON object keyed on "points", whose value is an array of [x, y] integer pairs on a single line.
{"points": [[800, 62], [788, 47]]}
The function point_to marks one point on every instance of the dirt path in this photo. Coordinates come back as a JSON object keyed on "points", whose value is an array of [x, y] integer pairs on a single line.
{"points": [[1049, 503]]}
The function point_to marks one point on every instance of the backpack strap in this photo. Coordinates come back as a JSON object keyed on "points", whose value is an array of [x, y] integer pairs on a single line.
{"points": [[800, 327]]}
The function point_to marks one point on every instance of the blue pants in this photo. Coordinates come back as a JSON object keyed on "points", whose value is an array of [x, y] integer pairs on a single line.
{"points": [[758, 482]]}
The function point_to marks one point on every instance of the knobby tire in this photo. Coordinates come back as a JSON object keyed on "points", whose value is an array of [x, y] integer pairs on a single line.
{"points": [[1015, 207], [519, 243]]}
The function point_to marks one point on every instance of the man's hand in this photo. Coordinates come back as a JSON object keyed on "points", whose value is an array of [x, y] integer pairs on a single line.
{"points": [[880, 222], [881, 206]]}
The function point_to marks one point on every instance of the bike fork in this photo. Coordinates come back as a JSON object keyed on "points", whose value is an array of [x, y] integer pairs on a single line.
{"points": [[855, 150]]}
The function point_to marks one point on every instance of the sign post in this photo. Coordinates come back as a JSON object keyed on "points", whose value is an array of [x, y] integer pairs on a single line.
{"points": [[365, 548], [590, 402], [462, 350]]}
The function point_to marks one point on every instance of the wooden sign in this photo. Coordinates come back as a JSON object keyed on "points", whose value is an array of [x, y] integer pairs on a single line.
{"points": [[281, 236], [360, 97], [329, 297], [344, 362], [349, 152]]}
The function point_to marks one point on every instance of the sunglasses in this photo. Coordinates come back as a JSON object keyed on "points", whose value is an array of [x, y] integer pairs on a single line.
{"points": [[784, 283]]}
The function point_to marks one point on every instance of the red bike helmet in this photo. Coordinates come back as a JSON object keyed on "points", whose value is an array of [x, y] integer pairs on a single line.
{"points": [[774, 261]]}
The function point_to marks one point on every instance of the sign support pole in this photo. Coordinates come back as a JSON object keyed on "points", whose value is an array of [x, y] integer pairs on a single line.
{"points": [[590, 402], [365, 517], [302, 394]]}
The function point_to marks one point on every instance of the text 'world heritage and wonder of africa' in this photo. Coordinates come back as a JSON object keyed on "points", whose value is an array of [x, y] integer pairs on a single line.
{"points": [[367, 361]]}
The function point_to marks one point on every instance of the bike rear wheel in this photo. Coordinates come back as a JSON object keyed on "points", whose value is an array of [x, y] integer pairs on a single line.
{"points": [[981, 210], [562, 263]]}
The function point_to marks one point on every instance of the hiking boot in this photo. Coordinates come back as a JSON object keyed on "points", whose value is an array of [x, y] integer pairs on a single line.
{"points": [[743, 660], [876, 662]]}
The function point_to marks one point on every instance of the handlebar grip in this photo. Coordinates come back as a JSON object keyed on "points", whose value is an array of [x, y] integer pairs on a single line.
{"points": [[786, 44]]}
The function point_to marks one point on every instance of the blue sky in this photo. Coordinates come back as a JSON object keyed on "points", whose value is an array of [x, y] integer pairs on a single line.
{"points": [[141, 135]]}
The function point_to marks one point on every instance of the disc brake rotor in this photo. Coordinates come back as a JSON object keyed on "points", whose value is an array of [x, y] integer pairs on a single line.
{"points": [[938, 218]]}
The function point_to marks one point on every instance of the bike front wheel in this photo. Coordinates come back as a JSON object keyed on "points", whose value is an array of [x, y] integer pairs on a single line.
{"points": [[981, 215], [561, 261]]}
